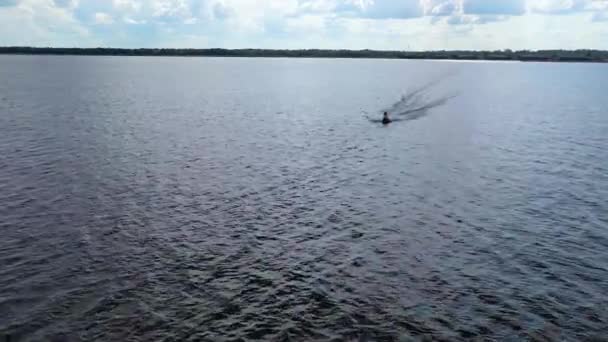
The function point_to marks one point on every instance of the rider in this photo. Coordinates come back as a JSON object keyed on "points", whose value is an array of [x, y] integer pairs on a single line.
{"points": [[385, 119]]}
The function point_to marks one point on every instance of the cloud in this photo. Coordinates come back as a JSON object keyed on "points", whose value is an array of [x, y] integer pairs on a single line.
{"points": [[503, 7], [7, 3], [371, 9], [599, 17], [376, 9], [220, 11], [171, 9], [66, 3], [558, 6], [598, 9], [301, 23], [326, 6], [128, 20], [390, 9], [41, 23], [126, 5], [598, 5], [103, 18], [441, 7], [471, 12], [475, 19]]}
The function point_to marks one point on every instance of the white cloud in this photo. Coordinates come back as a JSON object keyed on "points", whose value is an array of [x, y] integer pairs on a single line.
{"points": [[66, 3], [171, 9], [41, 23], [485, 7], [103, 18], [471, 12], [308, 23], [8, 3], [249, 16], [598, 5], [441, 7], [392, 9], [558, 6], [126, 5], [132, 21], [599, 17], [391, 24], [320, 6]]}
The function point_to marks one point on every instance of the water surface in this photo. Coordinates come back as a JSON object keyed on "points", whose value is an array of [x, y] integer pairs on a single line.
{"points": [[187, 199]]}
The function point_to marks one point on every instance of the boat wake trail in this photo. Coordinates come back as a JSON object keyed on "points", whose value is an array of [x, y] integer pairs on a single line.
{"points": [[415, 104]]}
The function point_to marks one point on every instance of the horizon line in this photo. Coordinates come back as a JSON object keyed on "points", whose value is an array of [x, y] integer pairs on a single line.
{"points": [[504, 50]]}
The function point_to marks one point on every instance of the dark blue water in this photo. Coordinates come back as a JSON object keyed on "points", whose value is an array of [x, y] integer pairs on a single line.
{"points": [[187, 199]]}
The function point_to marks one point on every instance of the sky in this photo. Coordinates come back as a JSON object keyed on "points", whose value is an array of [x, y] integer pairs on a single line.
{"points": [[295, 24]]}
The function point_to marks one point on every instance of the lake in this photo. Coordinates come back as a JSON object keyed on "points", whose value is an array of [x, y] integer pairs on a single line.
{"points": [[187, 199]]}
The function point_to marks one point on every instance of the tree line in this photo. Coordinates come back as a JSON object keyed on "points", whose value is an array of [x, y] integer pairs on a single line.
{"points": [[523, 55]]}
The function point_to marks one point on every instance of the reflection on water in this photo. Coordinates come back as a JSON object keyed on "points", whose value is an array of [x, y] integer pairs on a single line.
{"points": [[191, 199]]}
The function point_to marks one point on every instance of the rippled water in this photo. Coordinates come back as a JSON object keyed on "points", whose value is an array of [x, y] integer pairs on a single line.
{"points": [[209, 199]]}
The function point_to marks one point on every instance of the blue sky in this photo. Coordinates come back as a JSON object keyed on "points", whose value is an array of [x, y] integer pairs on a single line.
{"points": [[350, 24]]}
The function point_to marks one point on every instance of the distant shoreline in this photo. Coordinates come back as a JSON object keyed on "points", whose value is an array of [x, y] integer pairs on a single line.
{"points": [[588, 56]]}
